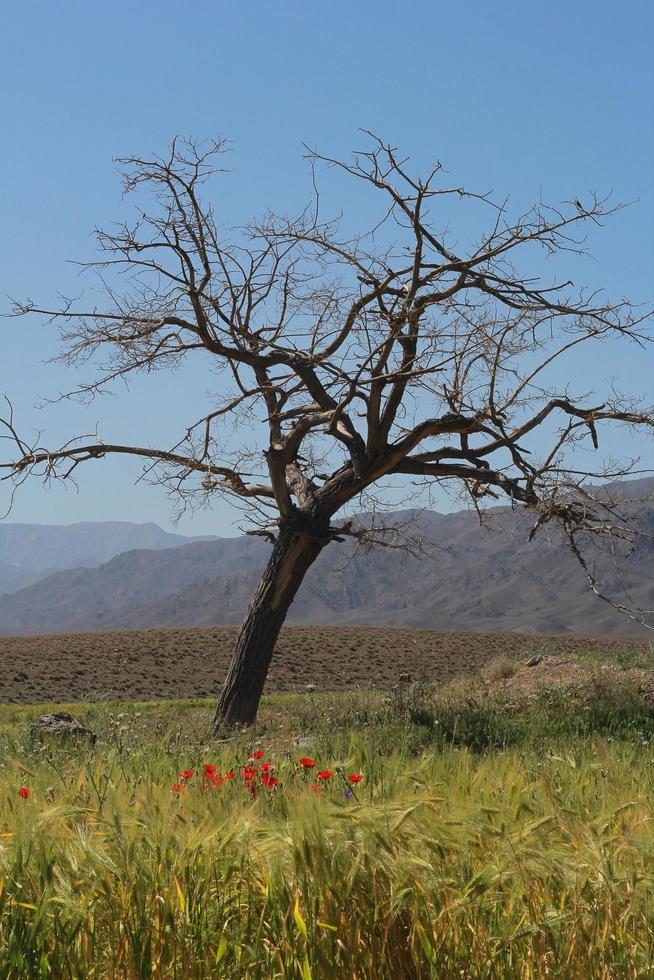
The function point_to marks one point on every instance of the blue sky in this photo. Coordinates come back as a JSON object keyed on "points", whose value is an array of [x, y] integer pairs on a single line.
{"points": [[522, 98]]}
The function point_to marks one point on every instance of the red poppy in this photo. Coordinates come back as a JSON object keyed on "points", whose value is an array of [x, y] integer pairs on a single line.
{"points": [[316, 789], [257, 755], [229, 775], [248, 773], [265, 767], [176, 788], [187, 774], [355, 778], [325, 774], [307, 763], [269, 781], [24, 792], [209, 770]]}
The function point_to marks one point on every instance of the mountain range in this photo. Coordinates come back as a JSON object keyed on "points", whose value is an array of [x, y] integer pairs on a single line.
{"points": [[30, 552], [470, 577]]}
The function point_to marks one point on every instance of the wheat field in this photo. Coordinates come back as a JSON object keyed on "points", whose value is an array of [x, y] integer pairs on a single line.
{"points": [[527, 852]]}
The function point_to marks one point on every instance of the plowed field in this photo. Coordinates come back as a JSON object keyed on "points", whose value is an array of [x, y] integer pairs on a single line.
{"points": [[181, 663]]}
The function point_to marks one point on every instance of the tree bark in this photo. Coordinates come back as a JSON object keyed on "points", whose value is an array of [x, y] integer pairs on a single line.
{"points": [[299, 543]]}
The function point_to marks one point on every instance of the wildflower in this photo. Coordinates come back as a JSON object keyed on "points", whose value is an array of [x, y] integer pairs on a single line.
{"points": [[315, 788], [269, 781], [257, 755], [187, 774], [24, 792], [248, 773], [265, 767], [348, 794], [307, 763], [176, 788], [209, 770], [325, 774], [229, 775], [355, 778]]}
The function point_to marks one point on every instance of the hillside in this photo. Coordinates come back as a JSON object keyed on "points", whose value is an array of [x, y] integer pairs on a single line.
{"points": [[471, 577], [30, 552]]}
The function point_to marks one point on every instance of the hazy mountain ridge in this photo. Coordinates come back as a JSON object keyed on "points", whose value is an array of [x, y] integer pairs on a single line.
{"points": [[475, 579], [13, 578], [30, 552]]}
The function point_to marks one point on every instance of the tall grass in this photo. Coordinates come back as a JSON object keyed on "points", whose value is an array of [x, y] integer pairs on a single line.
{"points": [[454, 860]]}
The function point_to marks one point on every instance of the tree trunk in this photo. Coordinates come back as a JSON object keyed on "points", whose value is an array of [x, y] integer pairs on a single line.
{"points": [[297, 547]]}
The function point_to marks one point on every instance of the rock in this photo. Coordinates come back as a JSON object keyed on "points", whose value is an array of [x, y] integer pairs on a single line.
{"points": [[60, 723], [534, 661]]}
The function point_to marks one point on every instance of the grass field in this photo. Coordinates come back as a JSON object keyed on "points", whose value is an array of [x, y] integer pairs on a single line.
{"points": [[487, 837]]}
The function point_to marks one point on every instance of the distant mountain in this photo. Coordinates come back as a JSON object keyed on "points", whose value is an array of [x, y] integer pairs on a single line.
{"points": [[473, 578], [13, 578], [29, 552]]}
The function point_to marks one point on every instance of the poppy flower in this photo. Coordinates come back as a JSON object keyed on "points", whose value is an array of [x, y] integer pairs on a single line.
{"points": [[257, 755], [265, 767], [316, 789], [355, 778], [187, 774], [325, 774], [229, 775], [307, 763], [269, 781], [176, 788], [209, 770], [24, 792], [248, 773]]}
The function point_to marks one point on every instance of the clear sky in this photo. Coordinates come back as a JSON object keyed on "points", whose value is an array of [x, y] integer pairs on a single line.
{"points": [[523, 98]]}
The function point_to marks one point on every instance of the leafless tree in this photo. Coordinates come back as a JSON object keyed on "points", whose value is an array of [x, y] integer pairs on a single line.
{"points": [[349, 360]]}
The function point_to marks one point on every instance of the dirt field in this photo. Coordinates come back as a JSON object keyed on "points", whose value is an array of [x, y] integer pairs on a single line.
{"points": [[178, 663]]}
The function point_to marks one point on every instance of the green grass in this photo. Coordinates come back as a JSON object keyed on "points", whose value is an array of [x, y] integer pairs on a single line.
{"points": [[626, 658], [483, 841]]}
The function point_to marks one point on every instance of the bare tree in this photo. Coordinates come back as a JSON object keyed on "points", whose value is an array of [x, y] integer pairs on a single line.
{"points": [[350, 360]]}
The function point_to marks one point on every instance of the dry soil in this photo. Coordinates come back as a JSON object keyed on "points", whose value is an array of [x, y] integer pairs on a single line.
{"points": [[183, 663]]}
